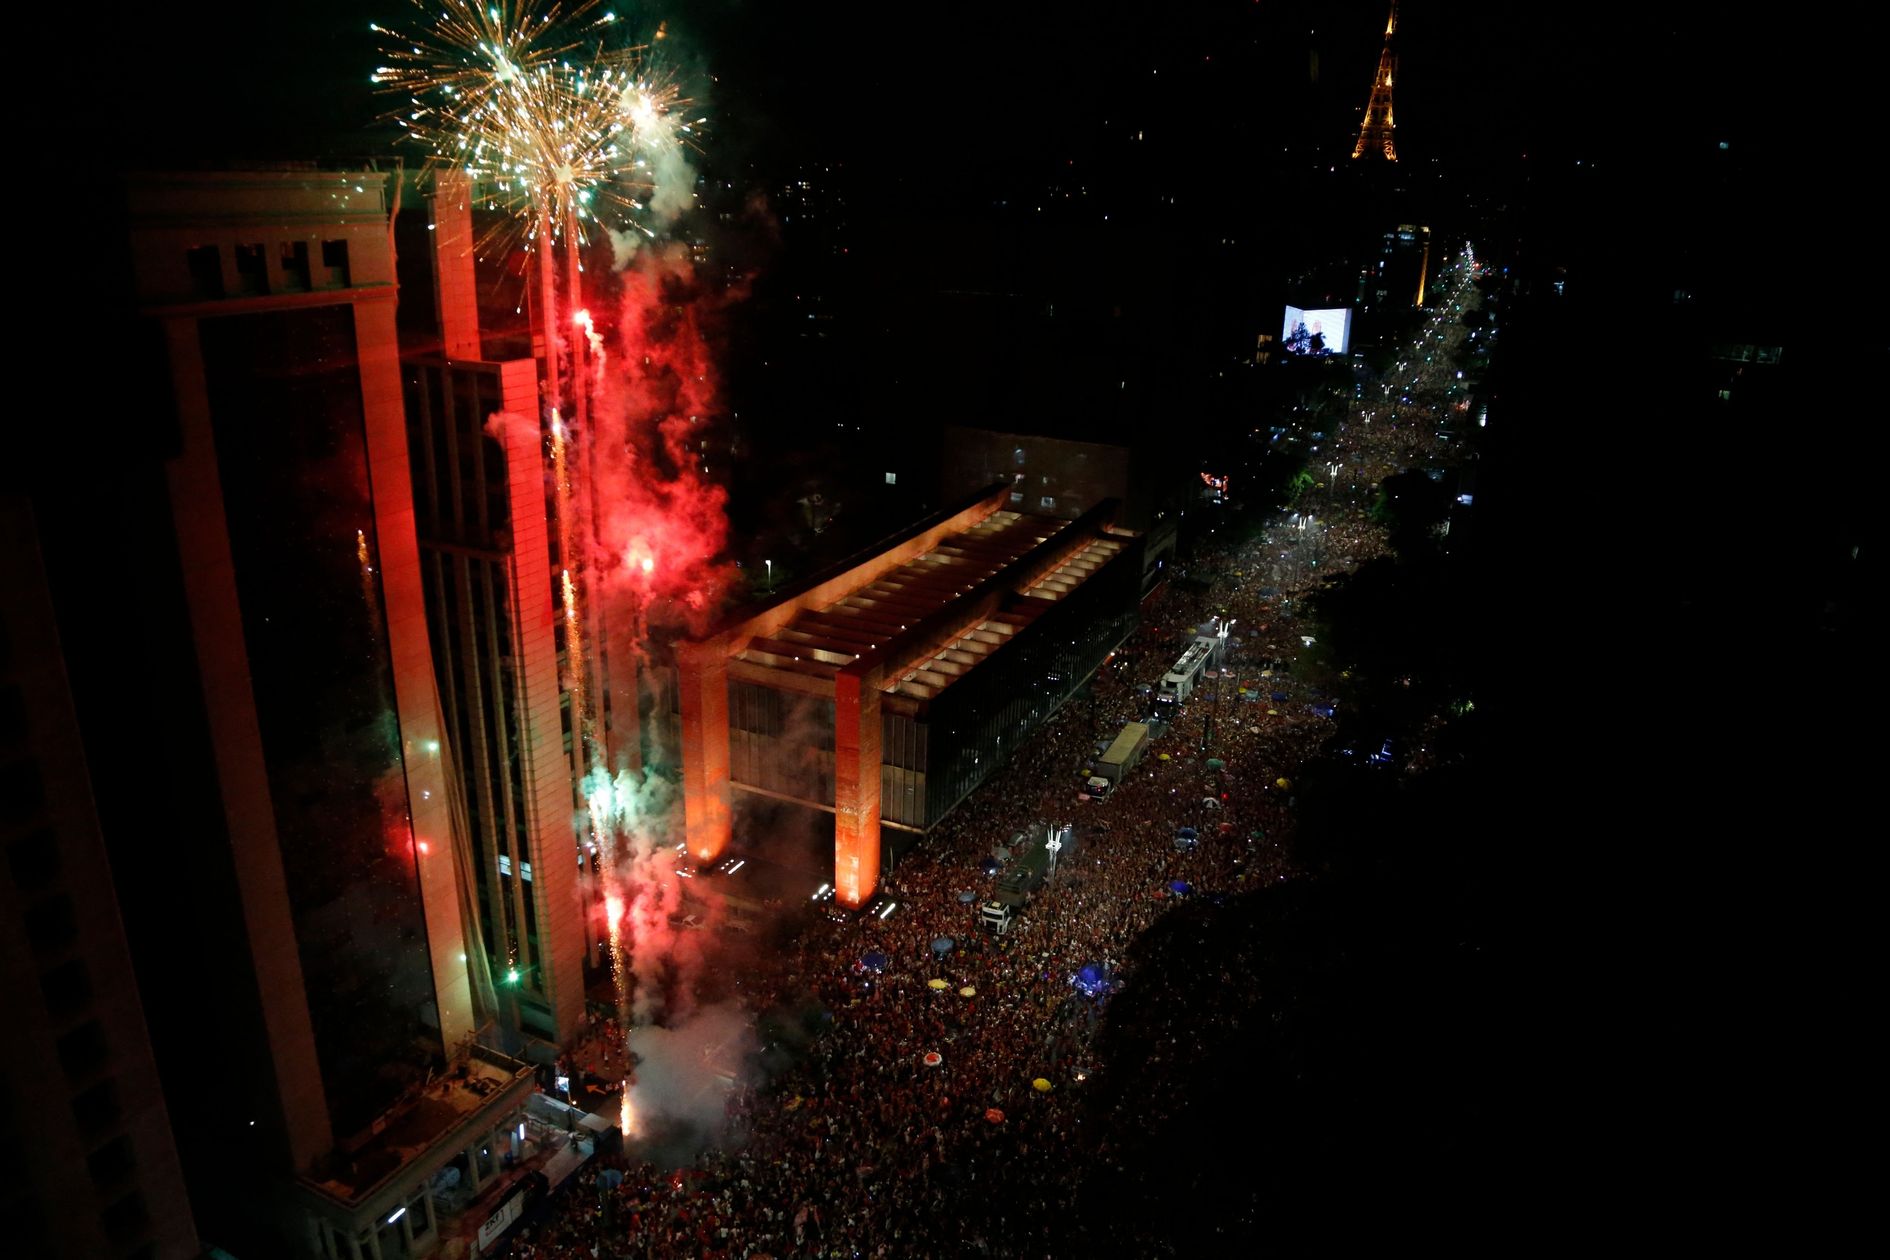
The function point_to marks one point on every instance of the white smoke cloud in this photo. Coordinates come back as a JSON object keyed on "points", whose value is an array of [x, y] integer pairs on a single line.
{"points": [[685, 1074], [624, 245], [674, 179]]}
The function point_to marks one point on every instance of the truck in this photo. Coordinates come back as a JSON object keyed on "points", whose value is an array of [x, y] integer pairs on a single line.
{"points": [[1016, 887], [995, 917], [1123, 753], [1026, 875]]}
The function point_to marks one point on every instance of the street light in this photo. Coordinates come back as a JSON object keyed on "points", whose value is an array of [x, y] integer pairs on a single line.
{"points": [[770, 565]]}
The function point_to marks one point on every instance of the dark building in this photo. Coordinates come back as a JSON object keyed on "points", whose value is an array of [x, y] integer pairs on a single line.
{"points": [[1397, 277], [1064, 477], [91, 1164], [241, 614]]}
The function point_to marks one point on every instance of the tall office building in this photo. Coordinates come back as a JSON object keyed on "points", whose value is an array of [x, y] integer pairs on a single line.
{"points": [[302, 930], [488, 569]]}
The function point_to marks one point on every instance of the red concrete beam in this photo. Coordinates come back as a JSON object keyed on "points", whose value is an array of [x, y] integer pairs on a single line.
{"points": [[702, 674], [856, 748]]}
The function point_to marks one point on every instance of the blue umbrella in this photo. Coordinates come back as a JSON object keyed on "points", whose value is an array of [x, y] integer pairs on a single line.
{"points": [[967, 897], [1187, 833], [942, 946], [1279, 695], [874, 961], [1091, 979], [1180, 887]]}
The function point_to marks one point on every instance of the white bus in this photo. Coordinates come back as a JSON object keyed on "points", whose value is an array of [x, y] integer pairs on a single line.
{"points": [[1179, 682]]}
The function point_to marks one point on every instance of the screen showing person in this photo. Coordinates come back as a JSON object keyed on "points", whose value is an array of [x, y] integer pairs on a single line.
{"points": [[1316, 333]]}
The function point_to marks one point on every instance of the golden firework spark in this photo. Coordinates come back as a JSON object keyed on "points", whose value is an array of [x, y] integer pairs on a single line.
{"points": [[557, 128]]}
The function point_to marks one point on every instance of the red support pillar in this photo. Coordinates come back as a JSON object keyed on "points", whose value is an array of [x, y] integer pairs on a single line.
{"points": [[856, 748], [702, 673]]}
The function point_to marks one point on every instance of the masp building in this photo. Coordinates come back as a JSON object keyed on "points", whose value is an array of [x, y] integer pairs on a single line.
{"points": [[886, 690]]}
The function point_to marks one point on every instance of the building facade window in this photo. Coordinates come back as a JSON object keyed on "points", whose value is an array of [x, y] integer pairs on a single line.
{"points": [[335, 264], [252, 270], [294, 259], [205, 265]]}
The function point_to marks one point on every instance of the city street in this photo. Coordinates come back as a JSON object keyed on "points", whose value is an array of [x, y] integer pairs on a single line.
{"points": [[909, 1143]]}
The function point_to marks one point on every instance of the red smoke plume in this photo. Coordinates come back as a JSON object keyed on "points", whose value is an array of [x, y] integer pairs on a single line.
{"points": [[661, 524]]}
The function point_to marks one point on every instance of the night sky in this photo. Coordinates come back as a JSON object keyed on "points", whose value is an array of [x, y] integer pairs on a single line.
{"points": [[950, 88]]}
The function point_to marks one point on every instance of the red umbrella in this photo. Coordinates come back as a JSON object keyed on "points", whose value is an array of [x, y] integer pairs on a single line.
{"points": [[994, 1116]]}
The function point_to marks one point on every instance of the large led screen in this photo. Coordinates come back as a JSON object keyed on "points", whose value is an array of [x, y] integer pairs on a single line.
{"points": [[1317, 332]]}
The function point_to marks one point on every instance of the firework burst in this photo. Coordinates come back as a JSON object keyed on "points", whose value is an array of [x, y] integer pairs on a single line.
{"points": [[557, 128], [468, 51]]}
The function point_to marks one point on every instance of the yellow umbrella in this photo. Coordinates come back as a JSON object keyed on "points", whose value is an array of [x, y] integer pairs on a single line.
{"points": [[936, 984], [1163, 757], [967, 991], [1040, 1085], [1282, 784], [1273, 713]]}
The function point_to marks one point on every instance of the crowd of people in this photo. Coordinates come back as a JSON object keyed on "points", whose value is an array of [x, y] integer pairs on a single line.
{"points": [[940, 1109]]}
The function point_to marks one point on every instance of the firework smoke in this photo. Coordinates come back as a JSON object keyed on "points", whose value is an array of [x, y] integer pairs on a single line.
{"points": [[685, 1078], [662, 525]]}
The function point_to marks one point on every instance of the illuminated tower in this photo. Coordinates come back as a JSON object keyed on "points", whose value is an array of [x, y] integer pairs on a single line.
{"points": [[1377, 132]]}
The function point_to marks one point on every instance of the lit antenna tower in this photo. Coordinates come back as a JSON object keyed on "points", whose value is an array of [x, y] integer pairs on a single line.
{"points": [[1376, 133]]}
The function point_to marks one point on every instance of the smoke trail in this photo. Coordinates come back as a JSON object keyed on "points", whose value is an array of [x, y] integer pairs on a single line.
{"points": [[662, 522], [649, 531], [643, 865]]}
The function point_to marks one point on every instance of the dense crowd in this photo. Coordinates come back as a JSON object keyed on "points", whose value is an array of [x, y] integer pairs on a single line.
{"points": [[863, 1148]]}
